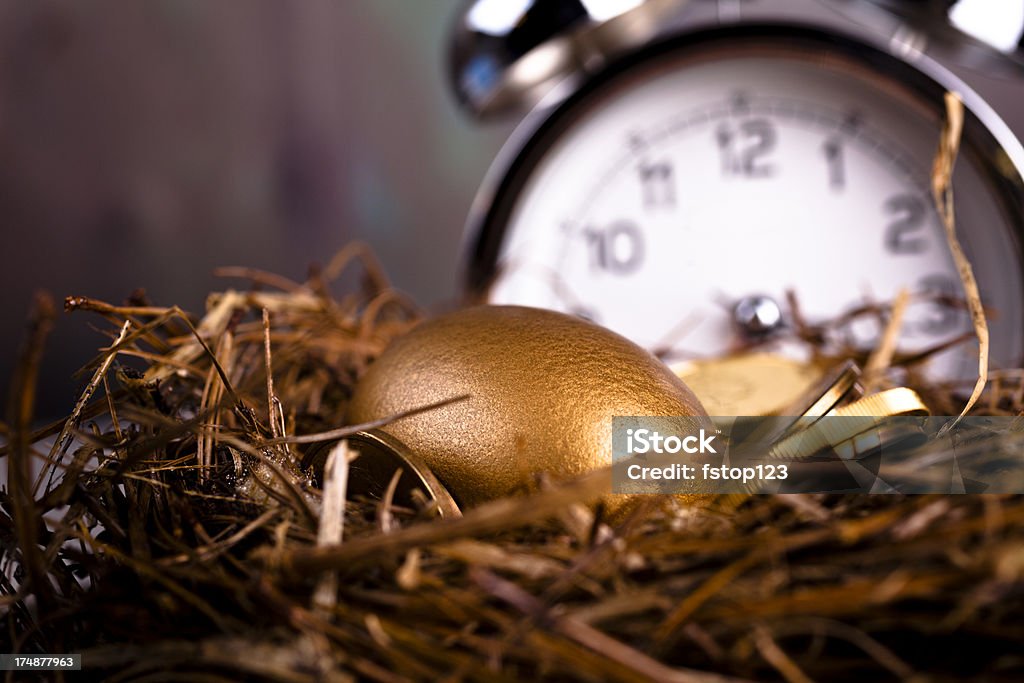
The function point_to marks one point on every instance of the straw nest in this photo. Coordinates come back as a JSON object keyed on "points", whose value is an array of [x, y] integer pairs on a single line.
{"points": [[165, 530]]}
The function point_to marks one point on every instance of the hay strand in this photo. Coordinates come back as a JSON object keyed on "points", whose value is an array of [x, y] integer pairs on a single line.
{"points": [[942, 193]]}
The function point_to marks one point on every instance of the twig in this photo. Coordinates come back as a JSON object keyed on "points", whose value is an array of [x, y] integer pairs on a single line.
{"points": [[385, 517], [344, 432], [332, 521], [942, 193], [60, 446], [500, 514], [272, 403], [705, 592], [210, 402], [590, 637], [775, 656], [881, 358], [27, 522]]}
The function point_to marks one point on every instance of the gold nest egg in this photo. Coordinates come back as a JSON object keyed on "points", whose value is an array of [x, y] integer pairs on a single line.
{"points": [[541, 387]]}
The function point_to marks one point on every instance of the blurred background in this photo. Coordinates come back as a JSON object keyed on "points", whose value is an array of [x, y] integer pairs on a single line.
{"points": [[143, 144]]}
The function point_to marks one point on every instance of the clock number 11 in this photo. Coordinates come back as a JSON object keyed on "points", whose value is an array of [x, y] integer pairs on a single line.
{"points": [[657, 182]]}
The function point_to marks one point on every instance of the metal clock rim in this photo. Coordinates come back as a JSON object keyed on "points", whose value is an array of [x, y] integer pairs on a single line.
{"points": [[482, 240]]}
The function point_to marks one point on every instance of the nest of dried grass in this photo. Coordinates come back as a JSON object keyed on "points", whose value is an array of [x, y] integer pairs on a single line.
{"points": [[171, 534]]}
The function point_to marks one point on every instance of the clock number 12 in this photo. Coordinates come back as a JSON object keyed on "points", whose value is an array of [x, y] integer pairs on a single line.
{"points": [[744, 148]]}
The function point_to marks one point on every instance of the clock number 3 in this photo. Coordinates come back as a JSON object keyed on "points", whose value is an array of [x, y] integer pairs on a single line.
{"points": [[743, 148], [944, 316], [617, 249]]}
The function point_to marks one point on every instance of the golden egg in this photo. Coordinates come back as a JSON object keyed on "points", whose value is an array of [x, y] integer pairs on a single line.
{"points": [[542, 389]]}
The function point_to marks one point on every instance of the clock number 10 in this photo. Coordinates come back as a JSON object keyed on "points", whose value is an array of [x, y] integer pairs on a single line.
{"points": [[616, 249]]}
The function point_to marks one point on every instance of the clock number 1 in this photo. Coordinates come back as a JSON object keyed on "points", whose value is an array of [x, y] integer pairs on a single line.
{"points": [[617, 249], [833, 150]]}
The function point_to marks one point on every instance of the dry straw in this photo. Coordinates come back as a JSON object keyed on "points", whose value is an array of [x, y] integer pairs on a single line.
{"points": [[166, 531]]}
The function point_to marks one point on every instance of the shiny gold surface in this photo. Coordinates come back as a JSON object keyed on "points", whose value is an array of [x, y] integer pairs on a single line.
{"points": [[836, 386], [898, 401], [751, 384], [542, 386], [861, 416]]}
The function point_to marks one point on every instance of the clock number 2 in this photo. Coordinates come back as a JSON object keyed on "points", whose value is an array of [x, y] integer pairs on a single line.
{"points": [[617, 249], [743, 148], [903, 234]]}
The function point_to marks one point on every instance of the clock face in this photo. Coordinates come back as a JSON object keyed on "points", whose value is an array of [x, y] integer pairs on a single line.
{"points": [[689, 199]]}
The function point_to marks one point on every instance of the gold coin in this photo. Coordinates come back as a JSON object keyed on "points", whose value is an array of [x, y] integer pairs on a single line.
{"points": [[381, 456], [898, 401], [749, 385], [861, 417], [836, 386]]}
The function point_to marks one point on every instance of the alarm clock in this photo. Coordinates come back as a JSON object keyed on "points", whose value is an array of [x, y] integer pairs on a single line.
{"points": [[699, 175]]}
